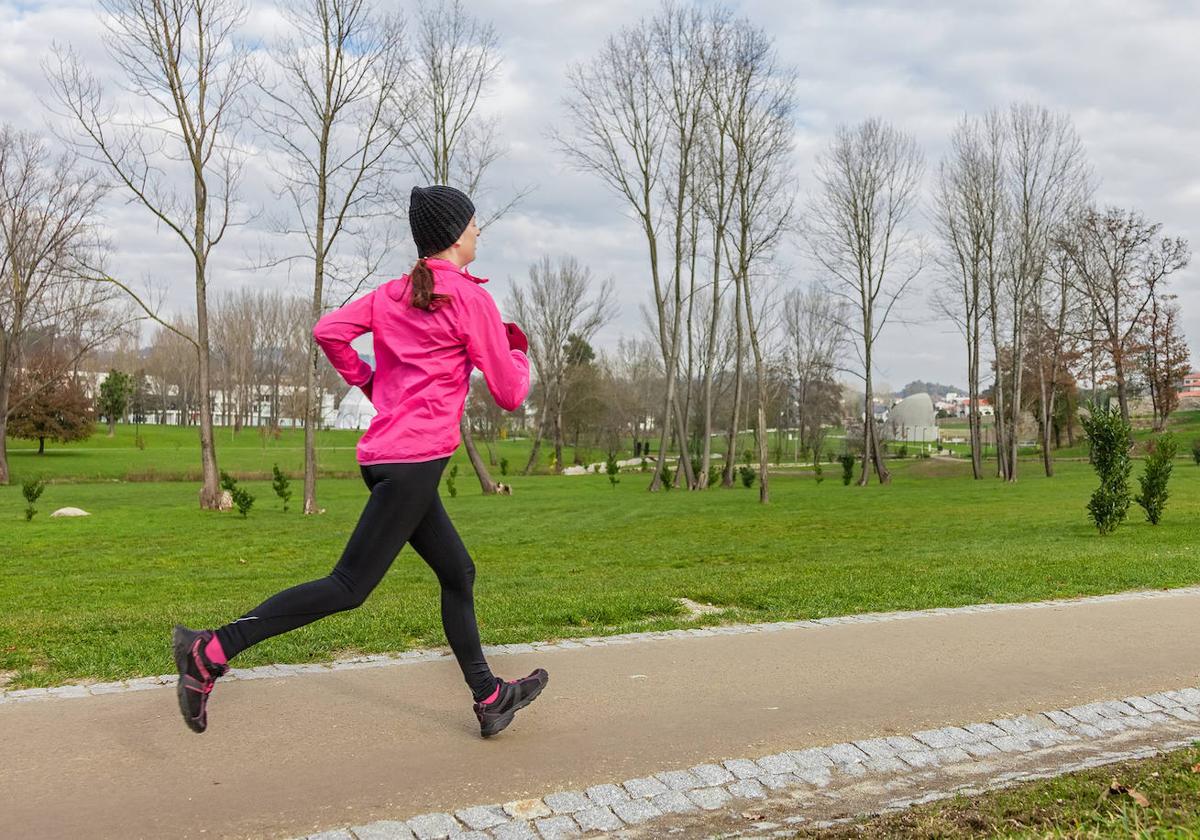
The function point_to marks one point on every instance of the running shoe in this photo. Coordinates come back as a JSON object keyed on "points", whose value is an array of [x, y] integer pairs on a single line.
{"points": [[514, 696], [197, 675]]}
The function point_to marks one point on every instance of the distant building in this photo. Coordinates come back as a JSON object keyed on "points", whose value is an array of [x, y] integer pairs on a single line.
{"points": [[1191, 385]]}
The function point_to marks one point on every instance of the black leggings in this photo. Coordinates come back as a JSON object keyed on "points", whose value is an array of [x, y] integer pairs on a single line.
{"points": [[404, 507]]}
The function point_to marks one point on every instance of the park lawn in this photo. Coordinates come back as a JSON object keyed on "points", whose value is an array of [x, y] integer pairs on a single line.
{"points": [[172, 453], [1070, 806], [1184, 425], [94, 598]]}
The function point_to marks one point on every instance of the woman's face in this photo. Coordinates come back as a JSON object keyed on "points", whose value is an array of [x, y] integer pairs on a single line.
{"points": [[466, 243]]}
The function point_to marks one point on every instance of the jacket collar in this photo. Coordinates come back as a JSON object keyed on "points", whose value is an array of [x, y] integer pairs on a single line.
{"points": [[395, 288], [446, 265]]}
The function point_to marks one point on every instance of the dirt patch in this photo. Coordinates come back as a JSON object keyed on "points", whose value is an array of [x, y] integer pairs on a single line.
{"points": [[696, 610]]}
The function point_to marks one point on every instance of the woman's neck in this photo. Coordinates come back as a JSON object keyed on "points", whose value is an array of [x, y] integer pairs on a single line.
{"points": [[450, 257]]}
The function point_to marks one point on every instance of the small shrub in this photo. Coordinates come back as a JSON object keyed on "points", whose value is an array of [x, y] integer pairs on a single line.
{"points": [[667, 475], [1109, 437], [32, 489], [923, 455], [644, 466], [748, 455], [1196, 451], [847, 462], [1154, 478], [280, 486], [818, 471], [610, 466], [747, 474], [503, 466], [242, 500], [902, 452], [451, 484], [714, 475]]}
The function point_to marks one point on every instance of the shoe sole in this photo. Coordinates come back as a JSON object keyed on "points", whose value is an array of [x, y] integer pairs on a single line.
{"points": [[182, 649], [504, 720]]}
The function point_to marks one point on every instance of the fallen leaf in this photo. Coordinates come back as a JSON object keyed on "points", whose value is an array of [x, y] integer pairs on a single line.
{"points": [[750, 815], [1115, 788], [1196, 768]]}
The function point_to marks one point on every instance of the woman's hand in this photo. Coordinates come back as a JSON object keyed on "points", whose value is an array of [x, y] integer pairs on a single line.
{"points": [[516, 338]]}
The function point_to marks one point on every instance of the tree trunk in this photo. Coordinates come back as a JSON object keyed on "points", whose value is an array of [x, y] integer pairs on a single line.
{"points": [[706, 446], [1122, 388], [974, 418], [760, 373], [41, 446], [535, 451], [311, 409], [112, 427], [5, 477], [1014, 436], [731, 449], [558, 433], [881, 470], [664, 435], [485, 479], [998, 424], [210, 494]]}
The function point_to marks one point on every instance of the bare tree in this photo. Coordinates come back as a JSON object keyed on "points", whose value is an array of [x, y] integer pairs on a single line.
{"points": [[181, 60], [814, 337], [1047, 179], [455, 61], [1122, 261], [856, 231], [1166, 358], [760, 131], [619, 133], [1054, 308], [558, 303], [335, 112], [715, 190], [970, 206], [47, 232]]}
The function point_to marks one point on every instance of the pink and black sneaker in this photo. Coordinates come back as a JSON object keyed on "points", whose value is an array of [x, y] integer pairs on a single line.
{"points": [[497, 711], [197, 675]]}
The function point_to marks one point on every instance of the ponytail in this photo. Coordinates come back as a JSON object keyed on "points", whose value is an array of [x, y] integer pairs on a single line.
{"points": [[423, 296]]}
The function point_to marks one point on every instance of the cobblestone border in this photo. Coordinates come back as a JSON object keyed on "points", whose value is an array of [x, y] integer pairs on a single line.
{"points": [[708, 787], [407, 657]]}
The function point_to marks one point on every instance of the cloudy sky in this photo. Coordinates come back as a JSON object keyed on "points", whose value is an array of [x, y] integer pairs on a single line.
{"points": [[1126, 72]]}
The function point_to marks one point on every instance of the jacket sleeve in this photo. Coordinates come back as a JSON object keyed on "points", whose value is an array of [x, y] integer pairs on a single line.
{"points": [[506, 371], [337, 329]]}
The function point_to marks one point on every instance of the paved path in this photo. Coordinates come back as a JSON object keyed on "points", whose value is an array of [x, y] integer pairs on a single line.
{"points": [[290, 756]]}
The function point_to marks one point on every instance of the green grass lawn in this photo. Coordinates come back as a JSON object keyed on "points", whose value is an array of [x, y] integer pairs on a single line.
{"points": [[1184, 425], [172, 453], [1071, 806], [565, 556]]}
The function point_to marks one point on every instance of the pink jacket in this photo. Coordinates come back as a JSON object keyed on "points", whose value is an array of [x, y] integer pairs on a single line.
{"points": [[423, 362]]}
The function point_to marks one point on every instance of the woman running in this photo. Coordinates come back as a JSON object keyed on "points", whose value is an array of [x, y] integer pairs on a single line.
{"points": [[430, 329]]}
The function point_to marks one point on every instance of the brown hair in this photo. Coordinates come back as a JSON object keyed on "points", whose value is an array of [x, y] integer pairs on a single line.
{"points": [[423, 296]]}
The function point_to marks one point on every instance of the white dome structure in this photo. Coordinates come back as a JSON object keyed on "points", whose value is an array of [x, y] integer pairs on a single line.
{"points": [[355, 411], [912, 420]]}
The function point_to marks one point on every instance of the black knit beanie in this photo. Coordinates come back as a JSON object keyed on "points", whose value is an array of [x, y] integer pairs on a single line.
{"points": [[438, 215]]}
